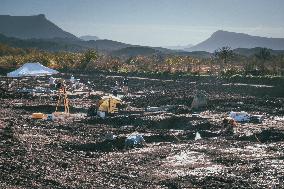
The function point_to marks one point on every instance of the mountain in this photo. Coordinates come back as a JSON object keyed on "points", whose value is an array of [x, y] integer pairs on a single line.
{"points": [[53, 45], [40, 33], [89, 38], [27, 27], [113, 48], [63, 44], [179, 47], [237, 40], [106, 45]]}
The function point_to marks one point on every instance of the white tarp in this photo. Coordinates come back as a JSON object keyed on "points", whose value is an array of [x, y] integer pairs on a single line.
{"points": [[32, 69], [240, 116], [134, 139]]}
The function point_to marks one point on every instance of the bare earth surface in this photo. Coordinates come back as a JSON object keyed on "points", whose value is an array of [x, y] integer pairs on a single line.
{"points": [[74, 154]]}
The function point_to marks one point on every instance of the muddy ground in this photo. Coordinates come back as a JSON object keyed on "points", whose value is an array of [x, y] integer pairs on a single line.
{"points": [[75, 154]]}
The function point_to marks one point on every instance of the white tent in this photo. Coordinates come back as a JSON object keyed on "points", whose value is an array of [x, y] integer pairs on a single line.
{"points": [[32, 69]]}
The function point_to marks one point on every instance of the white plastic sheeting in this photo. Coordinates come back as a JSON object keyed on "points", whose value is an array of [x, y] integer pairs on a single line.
{"points": [[240, 116], [134, 139], [197, 136]]}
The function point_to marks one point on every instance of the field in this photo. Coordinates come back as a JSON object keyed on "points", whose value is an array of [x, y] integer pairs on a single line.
{"points": [[74, 154]]}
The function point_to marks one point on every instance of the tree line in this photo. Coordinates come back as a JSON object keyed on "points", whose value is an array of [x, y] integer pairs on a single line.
{"points": [[224, 61]]}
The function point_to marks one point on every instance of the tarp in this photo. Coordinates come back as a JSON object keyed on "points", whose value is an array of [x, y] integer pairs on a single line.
{"points": [[32, 69], [240, 116], [134, 139]]}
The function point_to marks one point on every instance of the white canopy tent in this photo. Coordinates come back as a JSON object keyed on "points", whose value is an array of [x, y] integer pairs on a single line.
{"points": [[32, 69]]}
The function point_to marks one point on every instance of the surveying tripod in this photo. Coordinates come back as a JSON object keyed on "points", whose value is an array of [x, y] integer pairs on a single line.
{"points": [[62, 94]]}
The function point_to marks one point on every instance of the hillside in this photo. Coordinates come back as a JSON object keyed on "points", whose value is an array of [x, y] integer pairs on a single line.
{"points": [[48, 45], [27, 27], [113, 48], [237, 40], [60, 44], [105, 45], [250, 52], [134, 51], [40, 33]]}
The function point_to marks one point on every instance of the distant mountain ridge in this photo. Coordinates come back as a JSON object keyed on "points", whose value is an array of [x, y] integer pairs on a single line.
{"points": [[179, 47], [28, 27], [89, 37], [38, 32], [63, 44], [113, 48], [237, 40], [52, 45]]}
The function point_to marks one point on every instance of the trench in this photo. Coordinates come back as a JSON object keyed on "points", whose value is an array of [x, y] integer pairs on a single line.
{"points": [[48, 109], [267, 135]]}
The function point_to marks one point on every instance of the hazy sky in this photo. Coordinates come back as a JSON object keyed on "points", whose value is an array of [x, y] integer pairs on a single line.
{"points": [[156, 22]]}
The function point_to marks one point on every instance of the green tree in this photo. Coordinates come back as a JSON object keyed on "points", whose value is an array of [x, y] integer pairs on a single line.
{"points": [[224, 54], [263, 56], [89, 56]]}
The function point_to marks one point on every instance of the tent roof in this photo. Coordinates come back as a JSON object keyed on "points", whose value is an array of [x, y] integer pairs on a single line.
{"points": [[32, 69]]}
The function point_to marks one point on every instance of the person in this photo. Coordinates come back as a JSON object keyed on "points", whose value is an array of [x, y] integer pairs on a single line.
{"points": [[228, 126], [125, 85], [72, 79], [115, 89], [114, 92], [72, 83], [59, 84]]}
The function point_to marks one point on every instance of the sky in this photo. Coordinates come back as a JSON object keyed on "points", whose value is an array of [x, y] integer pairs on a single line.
{"points": [[156, 22]]}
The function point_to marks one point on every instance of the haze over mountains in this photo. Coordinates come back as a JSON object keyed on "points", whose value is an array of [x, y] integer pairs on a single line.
{"points": [[89, 37], [237, 40], [38, 32], [179, 47]]}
